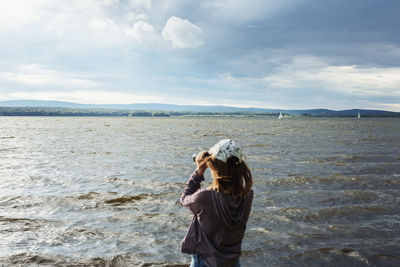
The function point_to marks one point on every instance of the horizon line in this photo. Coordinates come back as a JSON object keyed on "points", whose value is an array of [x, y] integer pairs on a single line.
{"points": [[196, 105]]}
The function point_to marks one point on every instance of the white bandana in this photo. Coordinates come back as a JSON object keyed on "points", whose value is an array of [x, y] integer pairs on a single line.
{"points": [[225, 149]]}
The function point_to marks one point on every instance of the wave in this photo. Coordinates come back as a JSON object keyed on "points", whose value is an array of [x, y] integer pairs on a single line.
{"points": [[11, 224], [7, 137], [325, 256], [90, 195], [27, 258], [129, 199], [117, 180], [341, 256], [343, 212], [109, 199], [259, 145], [8, 149], [302, 180], [129, 259], [339, 179]]}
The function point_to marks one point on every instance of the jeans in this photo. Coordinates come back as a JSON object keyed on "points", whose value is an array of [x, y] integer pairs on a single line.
{"points": [[197, 262]]}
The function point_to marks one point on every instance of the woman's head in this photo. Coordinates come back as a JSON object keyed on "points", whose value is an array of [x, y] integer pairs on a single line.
{"points": [[230, 173]]}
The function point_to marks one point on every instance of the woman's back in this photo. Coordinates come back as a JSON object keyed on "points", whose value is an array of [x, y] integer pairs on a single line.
{"points": [[218, 225], [220, 211]]}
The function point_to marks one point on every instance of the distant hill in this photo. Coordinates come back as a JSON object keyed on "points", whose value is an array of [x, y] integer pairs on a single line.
{"points": [[145, 106], [184, 109]]}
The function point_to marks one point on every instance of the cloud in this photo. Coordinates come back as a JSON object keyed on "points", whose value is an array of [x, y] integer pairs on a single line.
{"points": [[244, 11], [37, 76], [141, 31], [110, 97], [313, 72], [141, 4], [80, 96], [108, 33], [78, 24], [309, 82], [181, 33], [388, 106], [19, 12]]}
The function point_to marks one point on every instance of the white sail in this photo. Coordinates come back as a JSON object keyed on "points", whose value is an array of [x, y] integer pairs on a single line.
{"points": [[358, 116], [280, 115]]}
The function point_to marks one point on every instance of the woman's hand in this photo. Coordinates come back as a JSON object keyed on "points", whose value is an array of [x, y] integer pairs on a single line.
{"points": [[201, 163]]}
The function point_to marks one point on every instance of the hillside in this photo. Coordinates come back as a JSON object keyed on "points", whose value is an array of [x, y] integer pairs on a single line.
{"points": [[58, 108]]}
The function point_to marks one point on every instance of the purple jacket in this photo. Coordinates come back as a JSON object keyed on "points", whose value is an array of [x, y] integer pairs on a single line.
{"points": [[218, 224]]}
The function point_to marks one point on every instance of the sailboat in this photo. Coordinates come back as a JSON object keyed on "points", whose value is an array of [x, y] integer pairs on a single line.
{"points": [[358, 116], [280, 115]]}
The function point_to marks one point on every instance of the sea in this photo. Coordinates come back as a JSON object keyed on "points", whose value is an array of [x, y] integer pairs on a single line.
{"points": [[104, 191]]}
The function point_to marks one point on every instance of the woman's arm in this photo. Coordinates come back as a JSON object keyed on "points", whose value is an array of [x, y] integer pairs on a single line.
{"points": [[190, 199]]}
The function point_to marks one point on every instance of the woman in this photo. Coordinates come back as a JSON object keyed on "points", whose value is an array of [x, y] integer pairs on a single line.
{"points": [[220, 211]]}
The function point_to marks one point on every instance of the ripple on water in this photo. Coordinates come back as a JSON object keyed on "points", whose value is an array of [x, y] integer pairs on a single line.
{"points": [[126, 259], [327, 255], [11, 224], [345, 213]]}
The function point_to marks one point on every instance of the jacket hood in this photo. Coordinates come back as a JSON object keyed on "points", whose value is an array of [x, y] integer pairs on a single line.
{"points": [[231, 212]]}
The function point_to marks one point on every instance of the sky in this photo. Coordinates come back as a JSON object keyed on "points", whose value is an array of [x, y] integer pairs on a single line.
{"points": [[284, 54]]}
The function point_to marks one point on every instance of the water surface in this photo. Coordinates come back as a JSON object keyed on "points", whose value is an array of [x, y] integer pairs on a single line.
{"points": [[105, 191]]}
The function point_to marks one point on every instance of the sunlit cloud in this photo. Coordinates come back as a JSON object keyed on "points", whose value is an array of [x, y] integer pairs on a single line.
{"points": [[38, 76], [181, 33], [312, 72], [80, 96], [353, 80], [386, 106]]}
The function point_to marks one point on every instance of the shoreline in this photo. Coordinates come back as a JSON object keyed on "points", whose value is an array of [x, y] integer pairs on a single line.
{"points": [[83, 112]]}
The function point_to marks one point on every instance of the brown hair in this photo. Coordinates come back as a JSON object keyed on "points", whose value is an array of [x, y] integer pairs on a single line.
{"points": [[231, 178]]}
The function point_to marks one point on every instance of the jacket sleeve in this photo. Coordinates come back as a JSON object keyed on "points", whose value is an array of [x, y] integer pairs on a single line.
{"points": [[192, 197]]}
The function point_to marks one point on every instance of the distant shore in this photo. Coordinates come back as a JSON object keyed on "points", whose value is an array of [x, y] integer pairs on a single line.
{"points": [[81, 112]]}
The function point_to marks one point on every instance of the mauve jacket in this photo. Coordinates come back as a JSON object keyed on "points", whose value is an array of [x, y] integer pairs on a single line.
{"points": [[218, 224]]}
